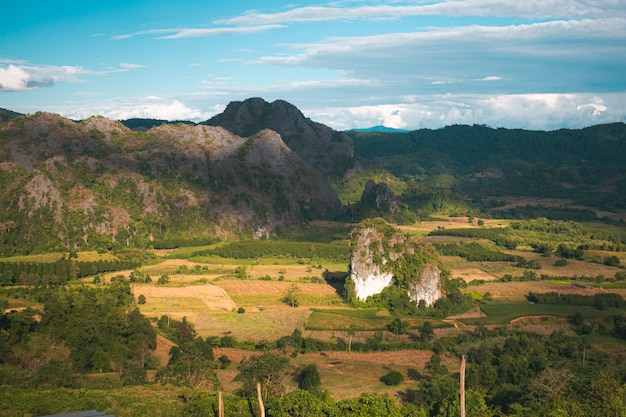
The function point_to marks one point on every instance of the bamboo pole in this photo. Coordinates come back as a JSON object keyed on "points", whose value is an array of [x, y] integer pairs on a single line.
{"points": [[462, 383]]}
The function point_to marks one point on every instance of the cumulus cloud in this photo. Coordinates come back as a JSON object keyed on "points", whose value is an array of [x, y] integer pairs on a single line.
{"points": [[149, 107], [528, 111], [14, 78], [29, 77]]}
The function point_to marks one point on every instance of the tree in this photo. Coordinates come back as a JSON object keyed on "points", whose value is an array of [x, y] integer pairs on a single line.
{"points": [[369, 405], [399, 327], [309, 378], [141, 299], [300, 403], [392, 378], [293, 296], [476, 406], [611, 261], [351, 333], [265, 369], [191, 364], [426, 331]]}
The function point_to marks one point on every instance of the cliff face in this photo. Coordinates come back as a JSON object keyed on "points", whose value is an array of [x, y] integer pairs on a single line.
{"points": [[369, 277], [382, 256], [428, 288]]}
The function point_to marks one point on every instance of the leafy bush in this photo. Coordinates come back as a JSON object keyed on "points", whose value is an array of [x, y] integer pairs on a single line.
{"points": [[309, 378], [393, 378]]}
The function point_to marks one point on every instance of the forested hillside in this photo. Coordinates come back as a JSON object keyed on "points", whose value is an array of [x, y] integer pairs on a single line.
{"points": [[484, 165]]}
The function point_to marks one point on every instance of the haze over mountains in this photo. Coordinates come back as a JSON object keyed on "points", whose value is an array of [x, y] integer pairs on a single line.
{"points": [[262, 168]]}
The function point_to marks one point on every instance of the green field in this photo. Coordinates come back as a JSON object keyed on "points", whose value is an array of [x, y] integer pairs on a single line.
{"points": [[501, 313]]}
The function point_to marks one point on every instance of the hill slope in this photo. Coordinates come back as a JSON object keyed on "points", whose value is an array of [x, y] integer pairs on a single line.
{"points": [[585, 165], [97, 184]]}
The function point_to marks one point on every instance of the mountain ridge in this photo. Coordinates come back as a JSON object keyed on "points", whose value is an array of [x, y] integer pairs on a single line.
{"points": [[97, 184], [327, 150]]}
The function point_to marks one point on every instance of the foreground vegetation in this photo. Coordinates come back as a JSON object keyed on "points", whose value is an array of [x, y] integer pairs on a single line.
{"points": [[536, 343]]}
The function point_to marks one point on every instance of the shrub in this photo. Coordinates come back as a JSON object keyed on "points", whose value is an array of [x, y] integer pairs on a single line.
{"points": [[392, 378], [309, 378], [141, 299], [241, 310], [224, 361]]}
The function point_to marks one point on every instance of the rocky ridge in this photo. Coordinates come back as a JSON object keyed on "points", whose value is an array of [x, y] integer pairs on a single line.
{"points": [[328, 151]]}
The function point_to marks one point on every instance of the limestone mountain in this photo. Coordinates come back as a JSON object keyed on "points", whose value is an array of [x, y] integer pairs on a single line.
{"points": [[327, 150], [385, 259], [97, 184]]}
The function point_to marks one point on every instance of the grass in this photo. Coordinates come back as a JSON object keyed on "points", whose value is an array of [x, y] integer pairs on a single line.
{"points": [[269, 324], [361, 319], [162, 305], [504, 313], [41, 258]]}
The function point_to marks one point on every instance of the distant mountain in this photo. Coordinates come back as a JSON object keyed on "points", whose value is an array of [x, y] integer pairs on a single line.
{"points": [[97, 185], [379, 128], [6, 115], [142, 125], [586, 166], [327, 150]]}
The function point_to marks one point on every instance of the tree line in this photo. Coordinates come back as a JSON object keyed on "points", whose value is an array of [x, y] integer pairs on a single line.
{"points": [[56, 273]]}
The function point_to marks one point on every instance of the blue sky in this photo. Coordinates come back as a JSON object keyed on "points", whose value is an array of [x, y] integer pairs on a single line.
{"points": [[531, 64]]}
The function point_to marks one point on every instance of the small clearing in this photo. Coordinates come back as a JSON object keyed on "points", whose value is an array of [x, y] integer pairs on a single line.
{"points": [[214, 297]]}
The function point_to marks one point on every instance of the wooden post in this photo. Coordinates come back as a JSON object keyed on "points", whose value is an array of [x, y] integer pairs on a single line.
{"points": [[462, 382], [260, 398], [220, 405]]}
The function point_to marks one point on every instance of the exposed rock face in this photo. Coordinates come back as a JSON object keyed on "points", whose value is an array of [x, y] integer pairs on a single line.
{"points": [[382, 256], [380, 197], [328, 151], [429, 286], [369, 277]]}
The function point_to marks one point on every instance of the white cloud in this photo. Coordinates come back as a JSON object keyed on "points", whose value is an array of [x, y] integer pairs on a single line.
{"points": [[538, 57], [127, 66], [14, 78], [149, 107], [490, 78], [538, 9], [528, 111], [538, 38], [30, 77], [198, 32]]}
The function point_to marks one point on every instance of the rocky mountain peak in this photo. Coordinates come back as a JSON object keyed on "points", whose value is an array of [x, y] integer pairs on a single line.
{"points": [[328, 151]]}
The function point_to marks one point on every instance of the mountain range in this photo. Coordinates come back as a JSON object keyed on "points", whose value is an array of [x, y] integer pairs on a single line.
{"points": [[260, 168]]}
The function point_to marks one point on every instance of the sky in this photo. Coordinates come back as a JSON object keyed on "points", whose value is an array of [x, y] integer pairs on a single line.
{"points": [[530, 64]]}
